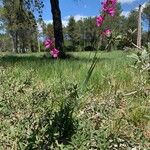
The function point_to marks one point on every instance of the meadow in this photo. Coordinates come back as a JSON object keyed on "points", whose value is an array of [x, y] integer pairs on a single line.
{"points": [[44, 103], [112, 65]]}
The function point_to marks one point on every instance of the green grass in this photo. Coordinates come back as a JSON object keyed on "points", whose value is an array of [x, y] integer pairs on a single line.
{"points": [[42, 108], [114, 65]]}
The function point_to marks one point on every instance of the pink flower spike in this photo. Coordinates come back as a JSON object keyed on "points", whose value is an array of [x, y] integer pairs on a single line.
{"points": [[109, 7], [107, 32], [105, 5], [111, 11], [112, 2], [54, 52], [48, 43], [99, 20]]}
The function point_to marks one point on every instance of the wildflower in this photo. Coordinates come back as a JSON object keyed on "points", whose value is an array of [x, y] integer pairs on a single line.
{"points": [[109, 3], [112, 2], [105, 5], [48, 43], [99, 20], [54, 52], [107, 32], [111, 11], [109, 7]]}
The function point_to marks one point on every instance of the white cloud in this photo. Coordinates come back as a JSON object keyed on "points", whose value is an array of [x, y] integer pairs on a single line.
{"points": [[125, 13], [66, 17], [76, 17], [65, 20], [79, 17], [126, 1], [65, 23], [48, 21]]}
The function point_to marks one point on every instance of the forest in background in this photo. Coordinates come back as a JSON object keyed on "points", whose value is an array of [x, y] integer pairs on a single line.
{"points": [[22, 32]]}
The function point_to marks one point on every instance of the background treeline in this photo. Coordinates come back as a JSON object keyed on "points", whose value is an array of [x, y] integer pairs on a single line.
{"points": [[19, 27], [85, 35], [22, 35]]}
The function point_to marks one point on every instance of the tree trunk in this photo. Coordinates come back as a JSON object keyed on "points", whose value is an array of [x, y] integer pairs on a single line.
{"points": [[15, 42], [148, 35], [39, 46], [57, 25], [139, 34], [31, 46], [23, 47]]}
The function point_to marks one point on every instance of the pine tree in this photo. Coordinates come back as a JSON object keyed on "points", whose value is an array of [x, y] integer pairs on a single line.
{"points": [[73, 32], [21, 25]]}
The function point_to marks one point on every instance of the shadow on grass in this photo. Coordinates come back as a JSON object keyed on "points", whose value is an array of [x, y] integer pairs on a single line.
{"points": [[11, 59], [57, 127]]}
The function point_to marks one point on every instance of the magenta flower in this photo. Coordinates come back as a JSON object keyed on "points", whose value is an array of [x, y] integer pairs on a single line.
{"points": [[48, 43], [105, 5], [111, 11], [109, 7], [109, 3], [112, 2], [107, 32], [99, 20], [54, 52]]}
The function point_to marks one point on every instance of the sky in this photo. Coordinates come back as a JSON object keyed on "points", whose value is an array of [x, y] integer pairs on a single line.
{"points": [[85, 8]]}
